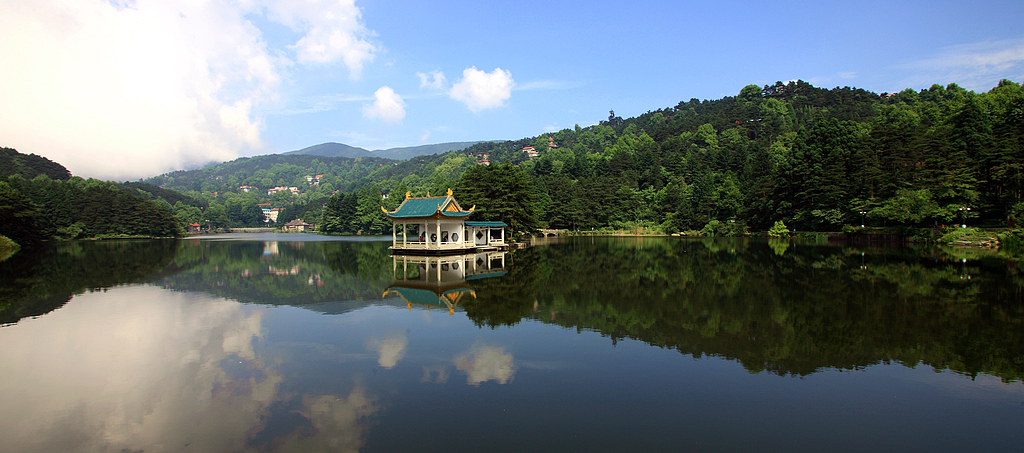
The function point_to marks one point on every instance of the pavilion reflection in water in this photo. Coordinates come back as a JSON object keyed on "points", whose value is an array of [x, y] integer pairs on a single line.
{"points": [[442, 281]]}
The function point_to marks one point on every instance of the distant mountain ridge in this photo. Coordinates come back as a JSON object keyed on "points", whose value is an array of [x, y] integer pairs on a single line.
{"points": [[332, 149]]}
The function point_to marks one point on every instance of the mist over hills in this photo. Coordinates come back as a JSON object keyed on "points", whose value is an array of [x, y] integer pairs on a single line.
{"points": [[332, 149]]}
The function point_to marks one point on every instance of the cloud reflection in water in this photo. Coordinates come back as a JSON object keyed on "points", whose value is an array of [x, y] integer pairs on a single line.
{"points": [[143, 368], [485, 363], [391, 349]]}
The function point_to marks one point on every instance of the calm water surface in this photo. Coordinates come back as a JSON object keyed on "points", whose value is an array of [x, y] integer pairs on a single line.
{"points": [[300, 343]]}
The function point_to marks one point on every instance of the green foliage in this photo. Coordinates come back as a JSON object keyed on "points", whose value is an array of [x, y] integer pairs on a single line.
{"points": [[953, 234], [1012, 242], [19, 215], [356, 213], [43, 208], [7, 247], [29, 166], [722, 229], [811, 156], [501, 192], [907, 207], [779, 230]]}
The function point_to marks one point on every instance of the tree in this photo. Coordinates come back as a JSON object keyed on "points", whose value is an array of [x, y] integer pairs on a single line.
{"points": [[778, 230], [18, 216], [501, 192]]}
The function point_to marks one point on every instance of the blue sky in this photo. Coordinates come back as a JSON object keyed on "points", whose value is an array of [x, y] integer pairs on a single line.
{"points": [[129, 89]]}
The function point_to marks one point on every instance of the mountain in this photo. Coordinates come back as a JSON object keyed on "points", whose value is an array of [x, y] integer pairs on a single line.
{"points": [[342, 150], [333, 150], [30, 165], [423, 150]]}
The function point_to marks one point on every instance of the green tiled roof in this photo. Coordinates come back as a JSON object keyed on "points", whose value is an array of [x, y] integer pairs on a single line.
{"points": [[426, 207], [485, 224]]}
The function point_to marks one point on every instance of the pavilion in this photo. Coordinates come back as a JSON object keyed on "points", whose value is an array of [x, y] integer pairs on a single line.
{"points": [[438, 225]]}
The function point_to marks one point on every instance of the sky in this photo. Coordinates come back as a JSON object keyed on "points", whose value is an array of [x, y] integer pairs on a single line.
{"points": [[122, 89]]}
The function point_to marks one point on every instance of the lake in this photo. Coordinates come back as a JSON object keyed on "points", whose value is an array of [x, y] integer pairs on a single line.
{"points": [[297, 342]]}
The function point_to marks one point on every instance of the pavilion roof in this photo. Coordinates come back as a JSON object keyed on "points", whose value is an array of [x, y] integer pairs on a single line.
{"points": [[428, 207]]}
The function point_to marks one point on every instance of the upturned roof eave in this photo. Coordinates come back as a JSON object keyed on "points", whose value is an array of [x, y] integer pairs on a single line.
{"points": [[435, 216]]}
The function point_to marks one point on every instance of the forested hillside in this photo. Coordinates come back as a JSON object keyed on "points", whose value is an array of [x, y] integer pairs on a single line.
{"points": [[40, 200], [817, 159], [29, 165]]}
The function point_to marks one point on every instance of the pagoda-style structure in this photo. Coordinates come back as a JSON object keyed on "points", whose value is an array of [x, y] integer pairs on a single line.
{"points": [[438, 225]]}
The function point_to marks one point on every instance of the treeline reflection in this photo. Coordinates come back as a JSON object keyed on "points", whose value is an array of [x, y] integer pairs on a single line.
{"points": [[39, 280], [792, 313], [282, 273], [789, 309]]}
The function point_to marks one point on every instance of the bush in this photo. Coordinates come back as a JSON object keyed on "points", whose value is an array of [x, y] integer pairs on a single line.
{"points": [[1012, 241], [720, 229], [957, 233], [778, 230]]}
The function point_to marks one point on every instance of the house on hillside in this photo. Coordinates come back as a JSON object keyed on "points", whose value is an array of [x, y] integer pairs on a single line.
{"points": [[531, 152], [296, 226], [438, 225], [293, 190]]}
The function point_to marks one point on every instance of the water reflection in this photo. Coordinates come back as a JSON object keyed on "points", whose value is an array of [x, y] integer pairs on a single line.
{"points": [[268, 345], [770, 305], [36, 281], [391, 349], [441, 281], [141, 368], [811, 308], [486, 363]]}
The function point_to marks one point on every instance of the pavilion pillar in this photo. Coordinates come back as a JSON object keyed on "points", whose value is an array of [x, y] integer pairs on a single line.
{"points": [[394, 240]]}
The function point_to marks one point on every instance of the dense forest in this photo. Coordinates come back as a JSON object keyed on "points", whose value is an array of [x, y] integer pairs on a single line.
{"points": [[817, 159], [40, 200]]}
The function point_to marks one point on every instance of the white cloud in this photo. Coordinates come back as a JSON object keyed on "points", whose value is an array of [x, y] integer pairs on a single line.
{"points": [[121, 92], [976, 66], [332, 31], [425, 136], [387, 105], [485, 363], [435, 80], [480, 90]]}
